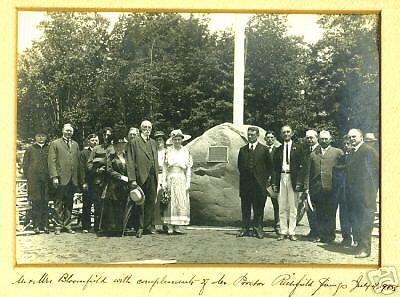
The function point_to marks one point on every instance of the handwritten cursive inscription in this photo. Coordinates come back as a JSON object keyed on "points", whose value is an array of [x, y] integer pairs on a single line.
{"points": [[295, 283], [290, 280]]}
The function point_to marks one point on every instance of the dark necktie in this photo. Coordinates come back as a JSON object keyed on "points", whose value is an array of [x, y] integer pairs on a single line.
{"points": [[287, 153]]}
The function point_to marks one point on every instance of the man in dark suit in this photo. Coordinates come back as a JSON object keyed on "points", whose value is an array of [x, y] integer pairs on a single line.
{"points": [[255, 167], [65, 173], [362, 174], [288, 179], [37, 175], [312, 144], [271, 145], [89, 196], [319, 183], [142, 168], [339, 188]]}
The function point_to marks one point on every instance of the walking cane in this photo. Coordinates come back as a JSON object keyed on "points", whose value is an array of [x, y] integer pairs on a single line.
{"points": [[127, 213]]}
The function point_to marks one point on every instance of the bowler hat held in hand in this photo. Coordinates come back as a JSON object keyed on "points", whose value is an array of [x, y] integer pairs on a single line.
{"points": [[137, 195]]}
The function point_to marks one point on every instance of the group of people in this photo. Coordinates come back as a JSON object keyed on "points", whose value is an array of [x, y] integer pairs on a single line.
{"points": [[141, 184], [329, 177], [122, 180]]}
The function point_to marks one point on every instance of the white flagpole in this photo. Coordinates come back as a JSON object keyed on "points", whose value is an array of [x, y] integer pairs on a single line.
{"points": [[238, 89]]}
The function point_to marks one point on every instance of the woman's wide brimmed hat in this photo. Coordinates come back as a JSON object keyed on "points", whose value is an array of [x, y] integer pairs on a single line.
{"points": [[137, 196], [178, 133]]}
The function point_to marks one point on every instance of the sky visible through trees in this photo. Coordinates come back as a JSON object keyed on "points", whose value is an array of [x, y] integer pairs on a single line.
{"points": [[178, 73]]}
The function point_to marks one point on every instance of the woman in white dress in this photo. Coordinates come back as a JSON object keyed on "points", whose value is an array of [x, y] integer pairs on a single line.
{"points": [[176, 180]]}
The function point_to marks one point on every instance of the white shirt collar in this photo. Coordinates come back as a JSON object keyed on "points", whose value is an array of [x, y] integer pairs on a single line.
{"points": [[314, 146], [289, 142], [254, 144], [323, 150], [358, 146]]}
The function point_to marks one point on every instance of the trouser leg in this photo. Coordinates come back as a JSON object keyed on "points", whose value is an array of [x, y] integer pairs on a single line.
{"points": [[283, 204], [365, 228], [36, 213], [149, 188], [292, 202], [68, 204], [86, 210], [44, 214], [331, 218], [344, 217], [246, 211], [58, 207], [275, 205], [258, 210]]}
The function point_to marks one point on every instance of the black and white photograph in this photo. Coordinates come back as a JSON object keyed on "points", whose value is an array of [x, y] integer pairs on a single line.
{"points": [[198, 138]]}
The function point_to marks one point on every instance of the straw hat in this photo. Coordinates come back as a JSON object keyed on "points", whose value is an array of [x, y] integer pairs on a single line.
{"points": [[370, 137], [159, 134], [272, 193], [137, 196], [178, 133]]}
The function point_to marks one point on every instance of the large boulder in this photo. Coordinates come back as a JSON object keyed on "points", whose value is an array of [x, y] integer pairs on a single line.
{"points": [[214, 193]]}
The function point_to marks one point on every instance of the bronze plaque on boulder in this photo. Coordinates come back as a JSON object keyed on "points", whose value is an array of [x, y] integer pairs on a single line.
{"points": [[218, 154]]}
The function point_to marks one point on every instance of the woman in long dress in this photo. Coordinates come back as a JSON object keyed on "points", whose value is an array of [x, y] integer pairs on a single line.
{"points": [[159, 138], [117, 190], [176, 180]]}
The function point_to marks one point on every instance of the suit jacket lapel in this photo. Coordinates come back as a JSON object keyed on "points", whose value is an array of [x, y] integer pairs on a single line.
{"points": [[142, 145], [65, 145]]}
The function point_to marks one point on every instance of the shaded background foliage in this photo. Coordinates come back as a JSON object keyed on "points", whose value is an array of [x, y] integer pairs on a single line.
{"points": [[177, 73]]}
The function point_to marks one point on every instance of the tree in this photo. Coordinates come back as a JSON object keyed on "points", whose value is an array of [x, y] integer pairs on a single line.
{"points": [[59, 76], [275, 75], [344, 78]]}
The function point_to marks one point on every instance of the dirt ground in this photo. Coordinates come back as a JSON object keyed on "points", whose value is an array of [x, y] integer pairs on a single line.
{"points": [[199, 244]]}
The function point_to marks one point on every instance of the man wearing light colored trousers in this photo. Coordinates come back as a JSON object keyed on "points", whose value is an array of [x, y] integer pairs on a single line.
{"points": [[288, 178]]}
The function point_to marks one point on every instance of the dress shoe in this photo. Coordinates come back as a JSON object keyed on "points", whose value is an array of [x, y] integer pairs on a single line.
{"points": [[139, 233], [281, 237], [178, 230], [147, 232], [316, 239], [293, 237], [46, 230], [327, 240], [346, 242], [311, 237], [36, 230], [277, 230], [258, 232], [69, 230], [85, 231], [243, 233], [363, 254]]}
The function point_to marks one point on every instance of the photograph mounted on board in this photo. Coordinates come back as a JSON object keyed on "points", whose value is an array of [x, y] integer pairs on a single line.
{"points": [[149, 138]]}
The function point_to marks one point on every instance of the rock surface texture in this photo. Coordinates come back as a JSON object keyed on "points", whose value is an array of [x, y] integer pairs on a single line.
{"points": [[214, 193]]}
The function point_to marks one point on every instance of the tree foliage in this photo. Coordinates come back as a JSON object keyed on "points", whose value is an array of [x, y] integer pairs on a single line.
{"points": [[172, 70], [344, 78]]}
